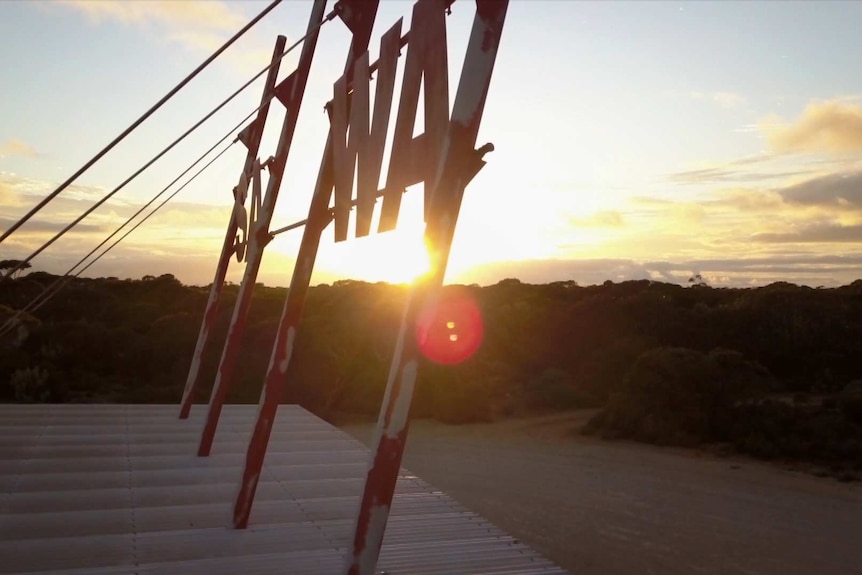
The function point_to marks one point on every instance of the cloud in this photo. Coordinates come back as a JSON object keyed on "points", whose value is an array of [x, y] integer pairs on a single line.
{"points": [[803, 269], [28, 190], [199, 26], [212, 14], [42, 227], [182, 229], [843, 190], [179, 215], [651, 201], [815, 233], [602, 219], [726, 100], [747, 200], [9, 197], [831, 126], [754, 168], [726, 174], [15, 147], [585, 272]]}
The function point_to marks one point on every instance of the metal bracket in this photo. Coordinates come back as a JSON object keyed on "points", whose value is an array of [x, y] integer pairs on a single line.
{"points": [[477, 162]]}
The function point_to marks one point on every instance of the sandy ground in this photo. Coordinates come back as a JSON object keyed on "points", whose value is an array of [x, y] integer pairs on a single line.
{"points": [[609, 508]]}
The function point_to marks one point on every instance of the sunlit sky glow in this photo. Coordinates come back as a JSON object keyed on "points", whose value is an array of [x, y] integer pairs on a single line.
{"points": [[633, 140]]}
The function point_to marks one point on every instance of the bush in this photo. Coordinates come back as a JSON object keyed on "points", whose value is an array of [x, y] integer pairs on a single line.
{"points": [[681, 396], [777, 430], [555, 389], [30, 385], [851, 401]]}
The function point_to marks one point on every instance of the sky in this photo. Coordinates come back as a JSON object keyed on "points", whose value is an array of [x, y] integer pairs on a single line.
{"points": [[633, 140]]}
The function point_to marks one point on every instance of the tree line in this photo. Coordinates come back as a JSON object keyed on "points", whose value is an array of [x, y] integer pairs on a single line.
{"points": [[771, 371]]}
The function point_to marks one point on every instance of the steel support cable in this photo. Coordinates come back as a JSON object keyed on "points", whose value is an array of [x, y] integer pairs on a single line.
{"points": [[60, 282], [140, 120], [28, 308], [110, 194], [164, 190]]}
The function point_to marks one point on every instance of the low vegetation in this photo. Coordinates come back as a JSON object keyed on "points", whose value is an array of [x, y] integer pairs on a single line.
{"points": [[771, 371]]}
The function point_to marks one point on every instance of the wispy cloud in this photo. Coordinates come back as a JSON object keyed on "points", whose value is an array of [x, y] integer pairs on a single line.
{"points": [[726, 100], [822, 233], [213, 14], [184, 228], [830, 126], [16, 147], [46, 228], [747, 200], [601, 219], [767, 229], [842, 191], [21, 188], [9, 197], [812, 270], [727, 173], [198, 26]]}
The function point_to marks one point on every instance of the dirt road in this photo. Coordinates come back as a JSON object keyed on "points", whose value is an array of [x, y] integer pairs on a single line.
{"points": [[601, 508]]}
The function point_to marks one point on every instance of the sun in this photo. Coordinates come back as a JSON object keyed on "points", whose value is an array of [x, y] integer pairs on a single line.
{"points": [[397, 257], [400, 256]]}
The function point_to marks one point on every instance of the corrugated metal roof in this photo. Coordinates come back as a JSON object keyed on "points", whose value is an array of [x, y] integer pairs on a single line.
{"points": [[110, 489]]}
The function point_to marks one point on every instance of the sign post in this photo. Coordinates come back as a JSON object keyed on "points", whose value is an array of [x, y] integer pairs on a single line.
{"points": [[359, 17], [251, 139], [443, 158], [291, 91], [460, 163]]}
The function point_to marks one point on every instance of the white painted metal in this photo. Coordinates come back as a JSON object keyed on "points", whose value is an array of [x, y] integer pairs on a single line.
{"points": [[117, 489]]}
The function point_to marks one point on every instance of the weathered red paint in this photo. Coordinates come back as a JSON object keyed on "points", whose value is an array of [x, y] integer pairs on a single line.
{"points": [[259, 232], [459, 163], [251, 139], [359, 16]]}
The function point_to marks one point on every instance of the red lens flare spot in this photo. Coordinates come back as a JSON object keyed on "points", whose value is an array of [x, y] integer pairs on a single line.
{"points": [[451, 332]]}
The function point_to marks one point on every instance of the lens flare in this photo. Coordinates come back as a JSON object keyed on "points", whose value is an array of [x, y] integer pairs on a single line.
{"points": [[451, 331]]}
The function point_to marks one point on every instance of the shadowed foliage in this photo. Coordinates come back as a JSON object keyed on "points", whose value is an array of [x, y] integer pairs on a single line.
{"points": [[763, 369]]}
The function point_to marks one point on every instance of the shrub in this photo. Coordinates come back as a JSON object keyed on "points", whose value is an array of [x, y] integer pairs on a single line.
{"points": [[850, 401], [555, 389], [681, 396], [30, 385], [777, 430]]}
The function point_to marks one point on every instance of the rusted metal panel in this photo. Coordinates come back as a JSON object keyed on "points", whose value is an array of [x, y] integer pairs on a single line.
{"points": [[245, 217], [284, 90], [252, 142], [362, 152], [344, 149], [252, 133], [460, 162], [361, 17], [414, 160], [371, 155], [259, 232]]}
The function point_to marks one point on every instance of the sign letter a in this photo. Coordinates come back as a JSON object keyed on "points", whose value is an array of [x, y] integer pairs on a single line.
{"points": [[360, 145], [416, 160]]}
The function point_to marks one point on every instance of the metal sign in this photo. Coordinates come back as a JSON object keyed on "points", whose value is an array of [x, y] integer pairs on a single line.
{"points": [[444, 158], [413, 160], [250, 137], [248, 221]]}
